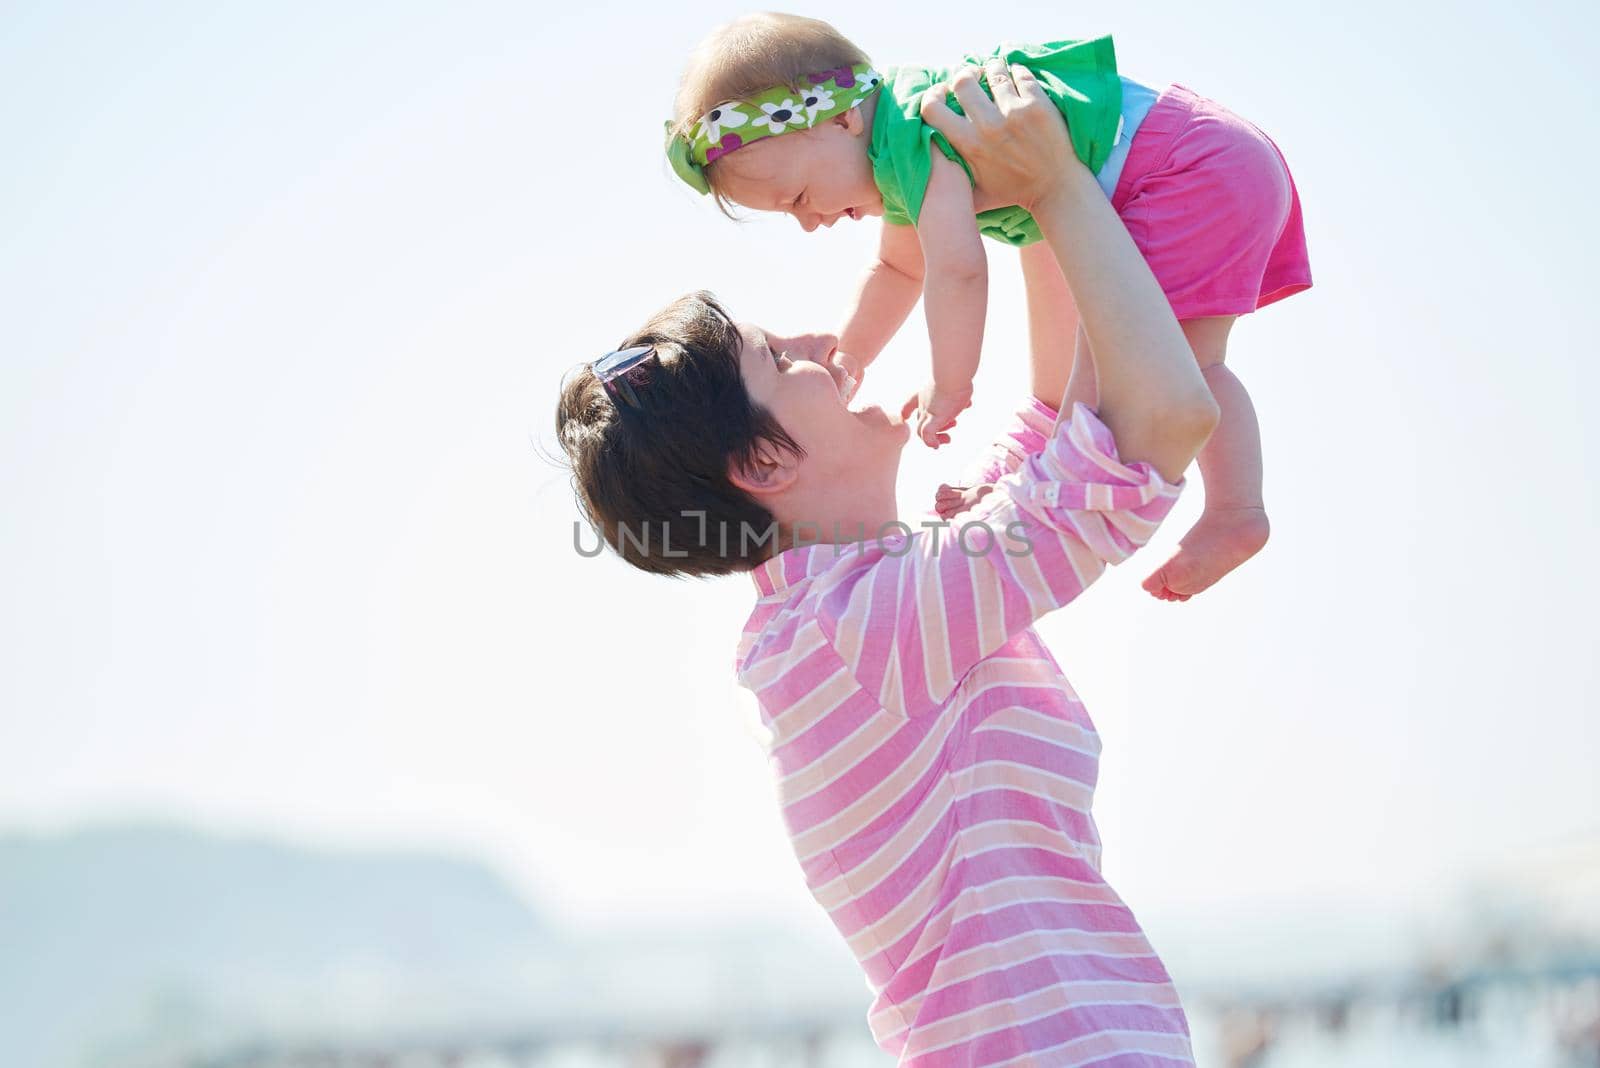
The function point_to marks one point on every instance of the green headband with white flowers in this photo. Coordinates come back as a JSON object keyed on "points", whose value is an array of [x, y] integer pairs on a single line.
{"points": [[782, 109]]}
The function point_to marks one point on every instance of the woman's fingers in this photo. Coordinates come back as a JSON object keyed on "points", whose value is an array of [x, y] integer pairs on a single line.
{"points": [[938, 114], [1008, 85], [1001, 86], [974, 101], [1028, 87]]}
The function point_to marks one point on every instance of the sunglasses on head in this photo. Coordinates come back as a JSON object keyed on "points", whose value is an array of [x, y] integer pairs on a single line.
{"points": [[620, 371]]}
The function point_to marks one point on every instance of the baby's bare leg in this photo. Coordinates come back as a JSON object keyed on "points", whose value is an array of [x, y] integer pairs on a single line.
{"points": [[1052, 339], [1234, 525]]}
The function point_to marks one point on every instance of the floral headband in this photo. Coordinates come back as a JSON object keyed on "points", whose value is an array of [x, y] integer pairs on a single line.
{"points": [[781, 109]]}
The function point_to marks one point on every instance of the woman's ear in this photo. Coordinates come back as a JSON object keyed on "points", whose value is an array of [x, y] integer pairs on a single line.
{"points": [[770, 470]]}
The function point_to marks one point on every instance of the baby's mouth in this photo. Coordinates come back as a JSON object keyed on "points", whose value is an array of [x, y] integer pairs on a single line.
{"points": [[852, 213]]}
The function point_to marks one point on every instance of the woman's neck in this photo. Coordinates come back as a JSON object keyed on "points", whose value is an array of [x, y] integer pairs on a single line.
{"points": [[866, 524]]}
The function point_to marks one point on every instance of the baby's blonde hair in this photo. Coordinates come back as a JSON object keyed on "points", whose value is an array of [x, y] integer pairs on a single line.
{"points": [[748, 55]]}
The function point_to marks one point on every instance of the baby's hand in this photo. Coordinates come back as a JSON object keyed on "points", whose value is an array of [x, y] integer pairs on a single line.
{"points": [[935, 412], [854, 371]]}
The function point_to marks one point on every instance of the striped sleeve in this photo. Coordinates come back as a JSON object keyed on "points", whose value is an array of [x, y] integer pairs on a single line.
{"points": [[910, 624], [1027, 433]]}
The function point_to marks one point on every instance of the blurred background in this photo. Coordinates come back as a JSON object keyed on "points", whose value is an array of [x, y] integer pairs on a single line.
{"points": [[321, 745]]}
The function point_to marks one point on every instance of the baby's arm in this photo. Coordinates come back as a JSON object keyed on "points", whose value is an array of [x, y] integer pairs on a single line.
{"points": [[888, 292], [955, 295]]}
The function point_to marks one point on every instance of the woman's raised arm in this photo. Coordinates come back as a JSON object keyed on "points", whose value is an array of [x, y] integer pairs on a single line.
{"points": [[1150, 391]]}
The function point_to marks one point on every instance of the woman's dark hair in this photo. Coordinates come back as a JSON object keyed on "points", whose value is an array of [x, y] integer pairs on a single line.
{"points": [[653, 479]]}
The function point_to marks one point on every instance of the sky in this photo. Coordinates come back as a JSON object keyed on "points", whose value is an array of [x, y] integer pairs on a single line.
{"points": [[286, 293]]}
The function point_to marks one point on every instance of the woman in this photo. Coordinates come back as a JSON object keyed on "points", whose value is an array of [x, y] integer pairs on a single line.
{"points": [[935, 769]]}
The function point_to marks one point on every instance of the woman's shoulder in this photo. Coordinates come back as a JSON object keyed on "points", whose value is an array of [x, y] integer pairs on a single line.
{"points": [[792, 587]]}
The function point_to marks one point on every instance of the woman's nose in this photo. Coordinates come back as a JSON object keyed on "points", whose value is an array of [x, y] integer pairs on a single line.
{"points": [[814, 347], [818, 347]]}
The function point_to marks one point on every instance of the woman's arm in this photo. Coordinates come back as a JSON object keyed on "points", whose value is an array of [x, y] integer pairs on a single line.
{"points": [[910, 619], [1150, 391], [886, 295], [908, 622]]}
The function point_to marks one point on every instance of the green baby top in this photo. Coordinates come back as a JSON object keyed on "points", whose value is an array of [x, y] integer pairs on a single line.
{"points": [[1079, 76]]}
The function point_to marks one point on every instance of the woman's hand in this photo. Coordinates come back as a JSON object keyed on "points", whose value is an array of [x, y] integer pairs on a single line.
{"points": [[1016, 144]]}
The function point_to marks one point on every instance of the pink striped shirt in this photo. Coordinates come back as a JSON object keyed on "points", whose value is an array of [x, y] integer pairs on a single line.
{"points": [[936, 770]]}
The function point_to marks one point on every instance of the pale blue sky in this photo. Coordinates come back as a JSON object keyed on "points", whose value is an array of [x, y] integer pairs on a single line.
{"points": [[285, 294]]}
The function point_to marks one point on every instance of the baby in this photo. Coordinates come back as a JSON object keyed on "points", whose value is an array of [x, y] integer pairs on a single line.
{"points": [[1205, 195]]}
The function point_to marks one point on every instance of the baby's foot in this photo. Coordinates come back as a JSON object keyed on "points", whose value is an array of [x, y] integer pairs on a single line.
{"points": [[1223, 539], [953, 500]]}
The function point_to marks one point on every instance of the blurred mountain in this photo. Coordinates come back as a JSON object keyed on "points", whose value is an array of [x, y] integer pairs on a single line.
{"points": [[135, 946], [104, 929]]}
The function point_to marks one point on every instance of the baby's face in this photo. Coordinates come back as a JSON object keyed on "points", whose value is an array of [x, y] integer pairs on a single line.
{"points": [[819, 175]]}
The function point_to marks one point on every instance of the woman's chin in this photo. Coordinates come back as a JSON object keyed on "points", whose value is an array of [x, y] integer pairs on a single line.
{"points": [[876, 415]]}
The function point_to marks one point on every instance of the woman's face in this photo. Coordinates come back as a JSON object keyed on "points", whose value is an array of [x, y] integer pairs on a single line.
{"points": [[851, 456]]}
